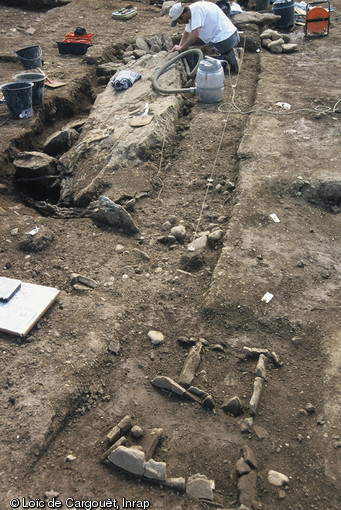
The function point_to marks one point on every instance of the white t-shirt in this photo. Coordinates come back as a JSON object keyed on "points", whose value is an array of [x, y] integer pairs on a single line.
{"points": [[214, 26]]}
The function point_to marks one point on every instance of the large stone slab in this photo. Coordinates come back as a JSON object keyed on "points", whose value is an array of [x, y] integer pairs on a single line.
{"points": [[108, 143]]}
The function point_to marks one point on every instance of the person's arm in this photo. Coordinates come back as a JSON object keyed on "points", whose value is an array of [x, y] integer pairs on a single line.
{"points": [[187, 39]]}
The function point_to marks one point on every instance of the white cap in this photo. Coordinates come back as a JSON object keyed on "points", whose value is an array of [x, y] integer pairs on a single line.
{"points": [[175, 12]]}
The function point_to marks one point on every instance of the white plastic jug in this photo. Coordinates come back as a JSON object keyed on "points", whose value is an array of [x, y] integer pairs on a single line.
{"points": [[210, 80]]}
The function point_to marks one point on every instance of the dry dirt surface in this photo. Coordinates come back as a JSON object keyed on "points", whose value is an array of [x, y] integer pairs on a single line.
{"points": [[89, 362]]}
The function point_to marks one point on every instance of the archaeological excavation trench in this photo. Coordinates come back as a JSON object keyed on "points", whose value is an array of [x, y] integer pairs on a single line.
{"points": [[160, 375]]}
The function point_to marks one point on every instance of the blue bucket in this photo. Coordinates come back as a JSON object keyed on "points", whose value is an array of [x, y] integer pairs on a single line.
{"points": [[30, 57], [18, 96]]}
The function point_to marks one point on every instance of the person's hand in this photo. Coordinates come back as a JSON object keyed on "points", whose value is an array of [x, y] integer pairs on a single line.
{"points": [[177, 47]]}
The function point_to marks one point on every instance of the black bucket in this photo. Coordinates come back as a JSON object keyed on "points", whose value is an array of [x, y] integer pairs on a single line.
{"points": [[262, 5], [18, 96], [30, 57], [38, 80], [286, 10]]}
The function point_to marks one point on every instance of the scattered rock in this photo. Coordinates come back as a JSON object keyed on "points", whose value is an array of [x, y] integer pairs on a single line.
{"points": [[190, 366], [214, 237], [260, 432], [192, 261], [156, 337], [246, 425], [179, 232], [114, 347], [241, 467], [70, 457], [198, 244], [141, 44], [310, 408], [208, 402], [51, 494], [187, 341], [37, 242], [278, 479], [136, 431], [84, 280], [141, 254], [60, 142], [113, 214], [233, 406]]}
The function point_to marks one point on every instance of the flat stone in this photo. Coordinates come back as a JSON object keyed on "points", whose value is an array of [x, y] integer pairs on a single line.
{"points": [[34, 164], [249, 456], [166, 383], [190, 366], [247, 489], [200, 487], [129, 459], [113, 435], [260, 432], [198, 244], [254, 352], [125, 424], [155, 470], [177, 484], [107, 211], [289, 47], [277, 479], [197, 391], [241, 467], [122, 441]]}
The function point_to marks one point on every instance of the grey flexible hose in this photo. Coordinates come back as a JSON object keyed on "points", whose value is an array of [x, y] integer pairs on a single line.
{"points": [[190, 74]]}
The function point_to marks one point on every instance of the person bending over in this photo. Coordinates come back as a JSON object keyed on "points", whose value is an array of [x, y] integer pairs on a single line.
{"points": [[205, 20]]}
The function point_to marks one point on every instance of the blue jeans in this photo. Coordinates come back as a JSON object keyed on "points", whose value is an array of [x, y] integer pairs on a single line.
{"points": [[225, 48]]}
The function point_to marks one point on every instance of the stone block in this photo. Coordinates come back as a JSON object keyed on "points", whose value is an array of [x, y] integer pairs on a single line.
{"points": [[129, 459]]}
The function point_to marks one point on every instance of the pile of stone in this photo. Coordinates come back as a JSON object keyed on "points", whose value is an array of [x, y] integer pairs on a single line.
{"points": [[276, 42], [134, 51], [139, 462]]}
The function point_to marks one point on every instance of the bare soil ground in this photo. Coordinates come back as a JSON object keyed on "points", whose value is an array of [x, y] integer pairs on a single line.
{"points": [[63, 388]]}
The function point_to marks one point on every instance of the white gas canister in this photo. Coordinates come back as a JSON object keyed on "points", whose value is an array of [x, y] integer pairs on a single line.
{"points": [[210, 81]]}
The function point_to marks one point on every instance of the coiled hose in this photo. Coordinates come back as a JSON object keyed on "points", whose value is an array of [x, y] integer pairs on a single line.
{"points": [[189, 73]]}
